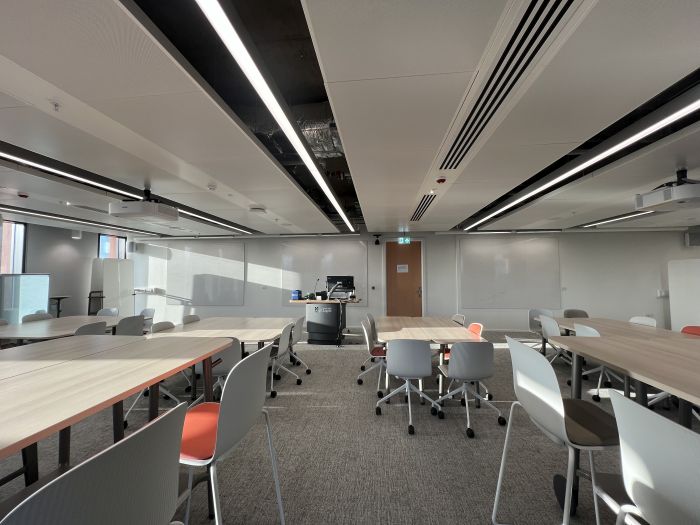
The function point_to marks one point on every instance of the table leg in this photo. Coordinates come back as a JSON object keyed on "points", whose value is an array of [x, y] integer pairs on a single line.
{"points": [[685, 413], [64, 447], [193, 380], [208, 380], [30, 460], [640, 391], [543, 350], [628, 387], [118, 420], [441, 358], [153, 399]]}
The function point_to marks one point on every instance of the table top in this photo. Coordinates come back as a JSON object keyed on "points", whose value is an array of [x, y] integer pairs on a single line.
{"points": [[669, 365], [441, 330], [323, 301], [250, 329], [613, 327], [53, 328], [43, 401]]}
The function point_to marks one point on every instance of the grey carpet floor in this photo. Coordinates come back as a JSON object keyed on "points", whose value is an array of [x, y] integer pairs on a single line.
{"points": [[340, 463]]}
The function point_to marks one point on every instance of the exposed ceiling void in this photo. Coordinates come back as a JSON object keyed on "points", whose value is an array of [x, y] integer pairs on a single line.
{"points": [[642, 113], [283, 46]]}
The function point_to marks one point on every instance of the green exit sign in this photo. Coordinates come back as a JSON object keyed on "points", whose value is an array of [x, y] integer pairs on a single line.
{"points": [[404, 240]]}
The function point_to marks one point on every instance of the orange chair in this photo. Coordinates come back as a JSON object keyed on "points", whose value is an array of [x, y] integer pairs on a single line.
{"points": [[691, 330]]}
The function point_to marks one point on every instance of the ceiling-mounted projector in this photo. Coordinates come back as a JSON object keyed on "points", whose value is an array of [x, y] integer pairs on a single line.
{"points": [[681, 193], [144, 210]]}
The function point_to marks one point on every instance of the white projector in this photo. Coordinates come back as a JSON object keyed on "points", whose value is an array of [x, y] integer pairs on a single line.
{"points": [[669, 198], [144, 210]]}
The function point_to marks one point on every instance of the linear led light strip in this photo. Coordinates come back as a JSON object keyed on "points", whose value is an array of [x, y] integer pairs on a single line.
{"points": [[201, 217], [681, 113], [67, 175], [223, 27], [615, 219], [77, 221]]}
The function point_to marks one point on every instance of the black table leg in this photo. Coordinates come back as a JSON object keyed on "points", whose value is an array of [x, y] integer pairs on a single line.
{"points": [[64, 447], [685, 413], [543, 350], [640, 392], [118, 420], [628, 387], [30, 460], [193, 380], [208, 380], [153, 397]]}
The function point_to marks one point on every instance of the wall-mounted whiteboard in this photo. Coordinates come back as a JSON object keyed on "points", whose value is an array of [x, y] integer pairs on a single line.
{"points": [[684, 292], [305, 261], [205, 273], [509, 272]]}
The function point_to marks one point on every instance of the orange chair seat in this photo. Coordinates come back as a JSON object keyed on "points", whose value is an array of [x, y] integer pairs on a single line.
{"points": [[378, 351], [199, 432], [691, 329]]}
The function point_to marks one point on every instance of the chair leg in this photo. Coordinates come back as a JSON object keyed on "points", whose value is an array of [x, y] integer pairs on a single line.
{"points": [[167, 393], [400, 389], [450, 394], [379, 378], [272, 380], [133, 405], [215, 495], [190, 477], [593, 483], [569, 486], [502, 470], [275, 474], [368, 370], [466, 408], [410, 415], [281, 367]]}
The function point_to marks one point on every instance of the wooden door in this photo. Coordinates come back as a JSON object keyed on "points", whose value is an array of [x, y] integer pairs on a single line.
{"points": [[404, 283]]}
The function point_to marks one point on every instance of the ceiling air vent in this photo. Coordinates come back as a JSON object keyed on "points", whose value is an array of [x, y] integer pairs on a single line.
{"points": [[533, 30], [426, 201]]}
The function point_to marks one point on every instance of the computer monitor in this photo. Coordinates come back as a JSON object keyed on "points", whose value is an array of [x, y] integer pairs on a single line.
{"points": [[347, 283]]}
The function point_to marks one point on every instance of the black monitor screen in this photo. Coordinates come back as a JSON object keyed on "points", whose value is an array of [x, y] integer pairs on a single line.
{"points": [[347, 283]]}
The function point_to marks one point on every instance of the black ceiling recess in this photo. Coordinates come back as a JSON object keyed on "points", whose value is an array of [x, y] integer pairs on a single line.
{"points": [[534, 29]]}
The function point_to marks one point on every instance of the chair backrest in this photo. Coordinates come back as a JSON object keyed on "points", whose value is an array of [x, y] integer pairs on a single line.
{"points": [[690, 329], [537, 389], [29, 318], [408, 358], [660, 467], [367, 332], [112, 312], [373, 328], [298, 330], [148, 314], [533, 314], [476, 328], [459, 319], [573, 313], [284, 340], [242, 400], [191, 318], [132, 325], [229, 358], [471, 361], [133, 481], [585, 331], [99, 328], [162, 325], [646, 321], [550, 328]]}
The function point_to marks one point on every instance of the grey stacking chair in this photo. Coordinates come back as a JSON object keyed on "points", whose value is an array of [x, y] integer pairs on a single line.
{"points": [[226, 361], [469, 361], [280, 350], [99, 328], [535, 326], [643, 320], [575, 313], [191, 318], [297, 334], [550, 328], [110, 312], [573, 423], [374, 351], [660, 468], [224, 425], [373, 337], [459, 319], [29, 318], [161, 326], [132, 325], [134, 481], [409, 360], [148, 314], [605, 374]]}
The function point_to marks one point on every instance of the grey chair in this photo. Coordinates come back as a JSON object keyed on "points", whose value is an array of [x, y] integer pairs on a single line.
{"points": [[605, 377], [535, 327], [550, 328], [575, 313], [109, 312], [148, 314], [375, 351], [572, 423], [643, 320], [99, 328], [279, 350], [191, 318], [30, 318], [408, 360], [224, 362], [373, 335], [297, 334], [134, 481], [469, 362], [132, 325], [161, 326], [459, 319]]}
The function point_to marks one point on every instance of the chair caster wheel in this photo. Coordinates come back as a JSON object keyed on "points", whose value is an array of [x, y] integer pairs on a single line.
{"points": [[269, 368], [596, 398], [308, 371], [405, 399], [359, 381], [380, 394], [501, 421], [568, 382], [441, 403], [273, 394], [441, 415], [388, 401], [299, 381], [372, 360], [462, 402], [277, 377], [433, 411], [146, 393], [489, 397], [126, 423], [470, 433], [378, 411], [584, 377], [607, 384], [188, 389], [411, 430], [362, 368]]}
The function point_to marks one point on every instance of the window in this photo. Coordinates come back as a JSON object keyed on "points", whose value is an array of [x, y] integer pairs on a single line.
{"points": [[12, 252], [111, 247]]}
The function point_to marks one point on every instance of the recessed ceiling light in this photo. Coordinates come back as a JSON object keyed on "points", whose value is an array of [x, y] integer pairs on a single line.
{"points": [[207, 219], [620, 218]]}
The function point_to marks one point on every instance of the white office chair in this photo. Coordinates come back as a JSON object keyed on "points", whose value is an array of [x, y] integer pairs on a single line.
{"points": [[643, 320], [30, 318], [134, 481], [148, 314], [469, 361], [586, 331], [459, 319], [573, 423], [132, 325], [99, 328], [550, 328], [297, 334], [278, 351], [408, 359], [222, 426], [373, 338], [191, 318], [660, 465], [376, 351], [535, 326], [224, 362], [110, 312]]}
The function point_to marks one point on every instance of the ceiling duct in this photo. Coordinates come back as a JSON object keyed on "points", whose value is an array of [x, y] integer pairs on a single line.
{"points": [[423, 205], [541, 18]]}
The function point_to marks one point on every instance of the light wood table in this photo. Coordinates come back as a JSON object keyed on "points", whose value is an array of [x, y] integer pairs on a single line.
{"points": [[613, 327], [246, 329], [53, 328]]}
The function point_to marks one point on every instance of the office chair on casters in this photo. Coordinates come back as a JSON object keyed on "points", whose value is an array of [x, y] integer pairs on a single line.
{"points": [[469, 362], [374, 338], [408, 359], [586, 331], [573, 423], [376, 351], [30, 318], [575, 313], [148, 314], [191, 318], [132, 325], [279, 350], [109, 312], [535, 326], [643, 320], [459, 319], [99, 328], [550, 328], [297, 333]]}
